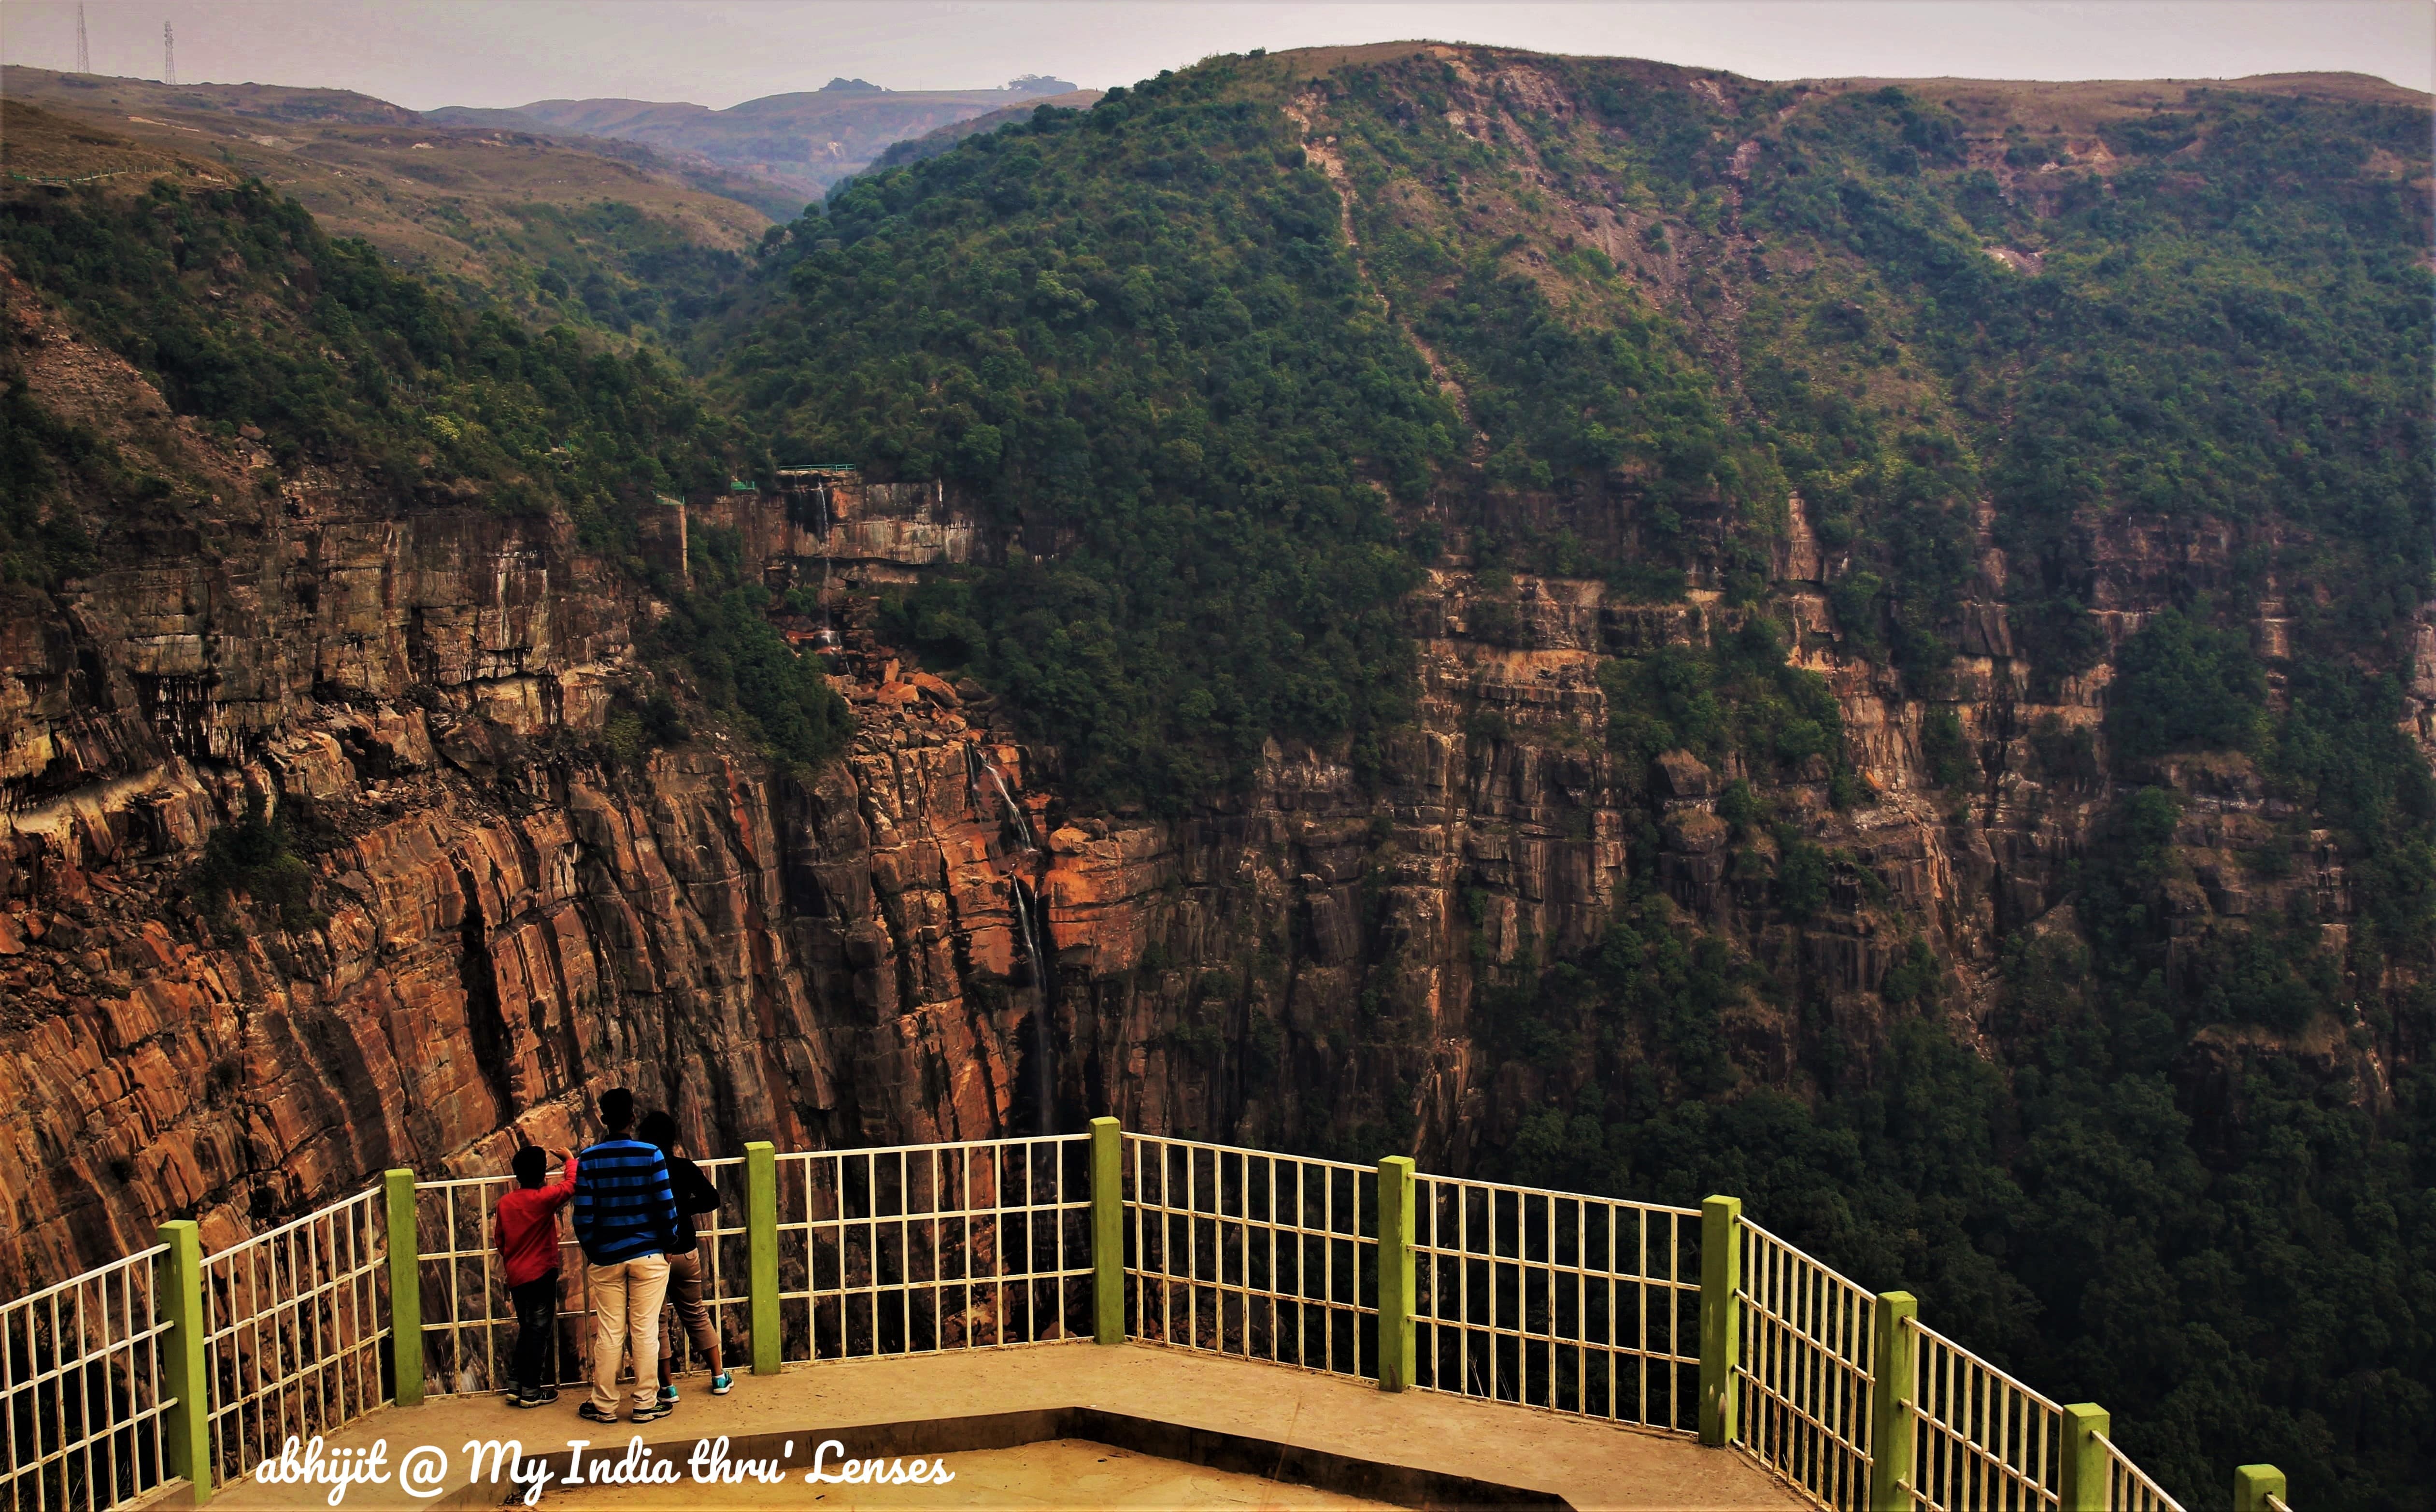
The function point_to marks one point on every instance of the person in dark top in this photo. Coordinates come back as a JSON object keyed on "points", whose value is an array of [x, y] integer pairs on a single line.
{"points": [[688, 1265], [529, 1248], [626, 1219]]}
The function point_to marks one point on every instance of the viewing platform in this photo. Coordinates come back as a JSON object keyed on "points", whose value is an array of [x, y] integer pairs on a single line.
{"points": [[1105, 1319], [1265, 1431]]}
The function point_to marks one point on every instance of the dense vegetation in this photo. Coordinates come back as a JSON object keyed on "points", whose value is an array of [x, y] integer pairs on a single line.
{"points": [[1137, 335], [778, 698], [252, 320], [2151, 1198], [2160, 1172], [248, 317]]}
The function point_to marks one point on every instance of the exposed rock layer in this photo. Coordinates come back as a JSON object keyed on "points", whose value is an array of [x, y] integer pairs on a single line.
{"points": [[505, 916]]}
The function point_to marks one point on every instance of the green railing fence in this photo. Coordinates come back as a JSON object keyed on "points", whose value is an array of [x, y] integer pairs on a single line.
{"points": [[171, 1365]]}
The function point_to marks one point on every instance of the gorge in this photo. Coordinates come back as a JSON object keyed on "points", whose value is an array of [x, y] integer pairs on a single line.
{"points": [[1868, 645]]}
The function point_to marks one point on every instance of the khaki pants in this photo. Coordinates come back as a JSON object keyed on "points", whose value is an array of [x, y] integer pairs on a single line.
{"points": [[626, 1316], [693, 1317]]}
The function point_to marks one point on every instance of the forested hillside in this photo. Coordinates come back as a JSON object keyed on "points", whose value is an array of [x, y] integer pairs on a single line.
{"points": [[2098, 416], [553, 229], [1865, 646]]}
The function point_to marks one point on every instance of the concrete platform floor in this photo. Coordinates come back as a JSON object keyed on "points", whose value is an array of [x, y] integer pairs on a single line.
{"points": [[887, 1407]]}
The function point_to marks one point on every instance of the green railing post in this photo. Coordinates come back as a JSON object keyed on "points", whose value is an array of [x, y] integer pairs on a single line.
{"points": [[405, 1289], [1397, 1365], [2254, 1484], [762, 1246], [1894, 1373], [2083, 1484], [178, 1298], [1107, 1231], [1721, 1276]]}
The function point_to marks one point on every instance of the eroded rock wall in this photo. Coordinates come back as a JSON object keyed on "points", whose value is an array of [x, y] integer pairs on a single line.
{"points": [[505, 916]]}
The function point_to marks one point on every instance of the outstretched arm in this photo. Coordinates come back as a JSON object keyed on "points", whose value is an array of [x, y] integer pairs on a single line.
{"points": [[556, 1193]]}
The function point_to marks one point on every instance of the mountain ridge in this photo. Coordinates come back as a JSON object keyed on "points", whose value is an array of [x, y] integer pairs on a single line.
{"points": [[801, 141], [1605, 625]]}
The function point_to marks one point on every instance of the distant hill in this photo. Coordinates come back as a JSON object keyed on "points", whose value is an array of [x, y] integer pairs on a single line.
{"points": [[800, 143], [553, 226], [930, 144]]}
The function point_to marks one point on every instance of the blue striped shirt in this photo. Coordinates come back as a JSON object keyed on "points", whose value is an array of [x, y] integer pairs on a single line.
{"points": [[623, 1204]]}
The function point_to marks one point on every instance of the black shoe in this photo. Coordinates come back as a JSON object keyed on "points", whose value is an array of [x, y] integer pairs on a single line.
{"points": [[526, 1399], [548, 1394], [651, 1414], [594, 1414]]}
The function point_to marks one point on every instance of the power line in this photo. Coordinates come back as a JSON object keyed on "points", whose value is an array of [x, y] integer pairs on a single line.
{"points": [[169, 54], [84, 48]]}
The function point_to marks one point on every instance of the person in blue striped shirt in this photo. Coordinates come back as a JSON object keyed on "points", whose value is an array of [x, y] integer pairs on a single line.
{"points": [[626, 1219]]}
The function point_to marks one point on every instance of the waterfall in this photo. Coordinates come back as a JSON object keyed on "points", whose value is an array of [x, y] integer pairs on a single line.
{"points": [[1022, 826], [1043, 1046], [828, 636]]}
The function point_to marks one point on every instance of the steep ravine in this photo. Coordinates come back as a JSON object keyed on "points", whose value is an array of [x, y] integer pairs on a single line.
{"points": [[505, 916]]}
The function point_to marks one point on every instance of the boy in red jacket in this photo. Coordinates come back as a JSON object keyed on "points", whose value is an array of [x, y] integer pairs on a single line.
{"points": [[529, 1244]]}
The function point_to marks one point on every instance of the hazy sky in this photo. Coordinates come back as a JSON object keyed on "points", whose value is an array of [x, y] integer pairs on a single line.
{"points": [[425, 53]]}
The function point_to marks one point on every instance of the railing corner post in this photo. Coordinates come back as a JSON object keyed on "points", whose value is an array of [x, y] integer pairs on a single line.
{"points": [[1721, 1276], [761, 1247], [1107, 1231], [1893, 1375], [178, 1297], [2083, 1483], [2254, 1484], [405, 1289], [1397, 1296]]}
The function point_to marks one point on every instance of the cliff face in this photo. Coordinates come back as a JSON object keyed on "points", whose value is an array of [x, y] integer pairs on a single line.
{"points": [[918, 941], [505, 916]]}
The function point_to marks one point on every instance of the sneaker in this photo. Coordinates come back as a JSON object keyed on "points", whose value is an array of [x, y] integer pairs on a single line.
{"points": [[594, 1414], [721, 1383], [548, 1395], [651, 1414], [526, 1399], [669, 1395]]}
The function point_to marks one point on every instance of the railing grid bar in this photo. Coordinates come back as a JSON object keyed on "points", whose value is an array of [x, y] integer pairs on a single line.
{"points": [[1248, 1253], [2129, 1489], [1519, 1311], [1521, 1297]]}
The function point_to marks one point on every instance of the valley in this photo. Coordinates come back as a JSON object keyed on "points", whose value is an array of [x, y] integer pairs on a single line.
{"points": [[1867, 644]]}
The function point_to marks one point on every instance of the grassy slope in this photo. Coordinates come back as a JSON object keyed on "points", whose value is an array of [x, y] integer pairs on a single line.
{"points": [[471, 209]]}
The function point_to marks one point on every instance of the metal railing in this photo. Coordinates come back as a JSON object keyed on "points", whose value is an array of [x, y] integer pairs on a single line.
{"points": [[171, 1363], [1983, 1441], [1266, 1256], [926, 1248], [2128, 1488], [1804, 1370], [1583, 1305], [469, 1322], [82, 1388], [293, 1321]]}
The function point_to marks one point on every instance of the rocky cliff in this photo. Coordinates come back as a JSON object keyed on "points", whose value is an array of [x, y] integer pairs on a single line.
{"points": [[505, 915]]}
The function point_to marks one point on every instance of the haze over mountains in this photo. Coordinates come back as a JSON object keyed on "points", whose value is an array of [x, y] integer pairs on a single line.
{"points": [[801, 142]]}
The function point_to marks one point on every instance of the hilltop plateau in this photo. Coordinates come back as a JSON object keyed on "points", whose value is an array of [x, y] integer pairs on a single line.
{"points": [[1863, 644]]}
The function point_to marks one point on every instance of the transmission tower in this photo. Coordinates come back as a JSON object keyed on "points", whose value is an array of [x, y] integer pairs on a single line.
{"points": [[84, 48], [169, 54]]}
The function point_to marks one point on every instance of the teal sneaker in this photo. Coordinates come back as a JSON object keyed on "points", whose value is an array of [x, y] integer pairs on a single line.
{"points": [[669, 1395], [721, 1383]]}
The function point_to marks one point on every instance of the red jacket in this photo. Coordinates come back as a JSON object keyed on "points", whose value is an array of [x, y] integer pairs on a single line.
{"points": [[529, 1228]]}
